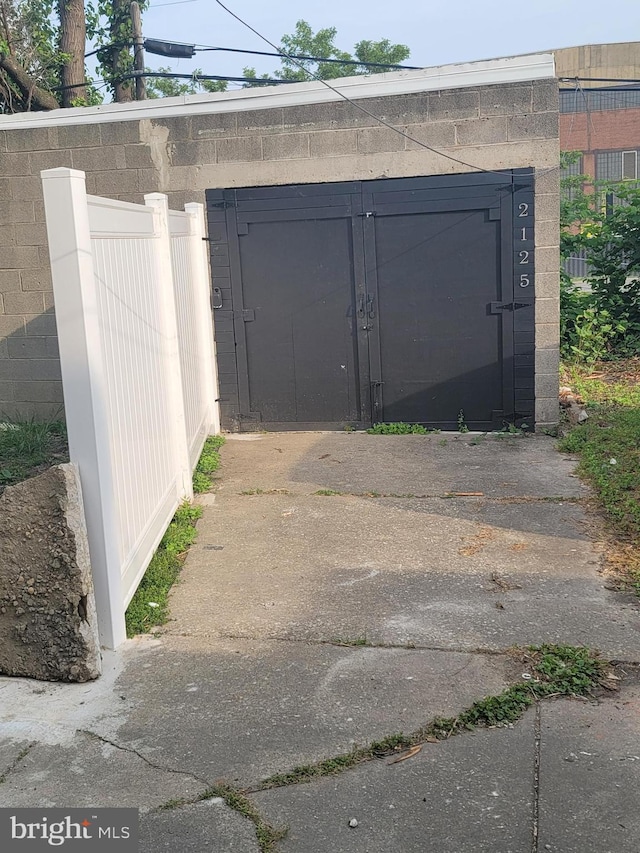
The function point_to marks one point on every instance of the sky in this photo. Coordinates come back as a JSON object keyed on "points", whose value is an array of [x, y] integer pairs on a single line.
{"points": [[437, 32]]}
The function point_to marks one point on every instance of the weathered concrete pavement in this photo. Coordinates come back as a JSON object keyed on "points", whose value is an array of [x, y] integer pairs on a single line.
{"points": [[306, 623]]}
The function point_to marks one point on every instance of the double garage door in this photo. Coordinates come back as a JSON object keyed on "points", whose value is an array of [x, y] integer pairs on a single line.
{"points": [[375, 301]]}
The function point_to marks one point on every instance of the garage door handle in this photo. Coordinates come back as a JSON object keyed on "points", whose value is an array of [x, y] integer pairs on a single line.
{"points": [[361, 309]]}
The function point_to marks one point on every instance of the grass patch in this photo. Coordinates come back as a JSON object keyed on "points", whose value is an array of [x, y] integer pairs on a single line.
{"points": [[267, 836], [150, 604], [400, 429], [555, 671], [208, 464], [28, 448], [608, 448], [327, 492]]}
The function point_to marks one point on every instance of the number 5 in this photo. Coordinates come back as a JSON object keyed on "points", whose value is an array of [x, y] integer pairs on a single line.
{"points": [[524, 281]]}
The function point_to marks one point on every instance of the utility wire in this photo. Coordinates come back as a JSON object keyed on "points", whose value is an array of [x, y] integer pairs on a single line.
{"points": [[364, 109], [204, 49]]}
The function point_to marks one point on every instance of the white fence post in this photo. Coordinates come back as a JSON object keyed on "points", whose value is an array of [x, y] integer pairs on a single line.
{"points": [[83, 376], [160, 206], [209, 369]]}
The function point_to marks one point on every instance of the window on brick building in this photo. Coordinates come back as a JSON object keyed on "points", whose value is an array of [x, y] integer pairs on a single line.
{"points": [[617, 166], [629, 165]]}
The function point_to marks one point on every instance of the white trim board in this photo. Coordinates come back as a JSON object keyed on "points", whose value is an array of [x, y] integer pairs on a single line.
{"points": [[463, 75]]}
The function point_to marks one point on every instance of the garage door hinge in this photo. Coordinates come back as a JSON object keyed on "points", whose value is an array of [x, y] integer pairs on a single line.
{"points": [[367, 214], [223, 204], [499, 307]]}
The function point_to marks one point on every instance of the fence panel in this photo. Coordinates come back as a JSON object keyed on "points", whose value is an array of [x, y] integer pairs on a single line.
{"points": [[133, 316]]}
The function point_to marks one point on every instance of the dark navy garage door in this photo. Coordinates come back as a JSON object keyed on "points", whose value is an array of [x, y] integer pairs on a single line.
{"points": [[376, 301]]}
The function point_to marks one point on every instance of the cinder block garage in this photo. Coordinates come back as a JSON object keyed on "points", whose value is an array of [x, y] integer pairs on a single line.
{"points": [[383, 254]]}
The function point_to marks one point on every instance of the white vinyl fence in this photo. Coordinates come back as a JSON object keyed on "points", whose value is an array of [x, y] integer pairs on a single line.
{"points": [[131, 294]]}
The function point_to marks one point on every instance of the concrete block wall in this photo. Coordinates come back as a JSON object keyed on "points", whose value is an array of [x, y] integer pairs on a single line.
{"points": [[491, 127]]}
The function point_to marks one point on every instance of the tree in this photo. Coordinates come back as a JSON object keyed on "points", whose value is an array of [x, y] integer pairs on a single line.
{"points": [[603, 319], [29, 57], [304, 42], [73, 37]]}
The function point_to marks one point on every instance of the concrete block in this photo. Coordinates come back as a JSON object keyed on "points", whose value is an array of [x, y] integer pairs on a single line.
{"points": [[547, 207], [547, 335], [240, 149], [316, 117], [545, 96], [547, 234], [6, 391], [286, 146], [38, 392], [193, 153], [40, 160], [440, 134], [214, 126], [7, 236], [547, 361], [179, 128], [120, 133], [12, 324], [116, 182], [23, 303], [547, 285], [32, 139], [31, 347], [9, 281], [108, 158], [48, 301], [149, 181], [33, 411], [505, 100], [21, 369], [3, 140], [19, 257], [260, 122], [372, 140], [402, 109], [14, 164], [178, 198], [80, 136], [34, 234], [5, 188], [546, 385], [534, 126], [138, 156], [547, 259], [547, 310], [48, 622], [547, 411], [482, 131], [332, 143], [454, 104], [547, 181], [36, 279], [25, 188], [41, 324], [16, 212]]}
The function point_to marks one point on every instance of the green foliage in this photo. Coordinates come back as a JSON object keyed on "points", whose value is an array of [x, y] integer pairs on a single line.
{"points": [[150, 604], [109, 25], [304, 42], [208, 464], [462, 424], [602, 321], [29, 447], [400, 429]]}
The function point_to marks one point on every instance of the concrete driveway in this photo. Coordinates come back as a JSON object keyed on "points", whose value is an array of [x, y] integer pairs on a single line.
{"points": [[345, 587]]}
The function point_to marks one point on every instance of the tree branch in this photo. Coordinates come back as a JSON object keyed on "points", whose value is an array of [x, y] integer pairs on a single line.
{"points": [[31, 92]]}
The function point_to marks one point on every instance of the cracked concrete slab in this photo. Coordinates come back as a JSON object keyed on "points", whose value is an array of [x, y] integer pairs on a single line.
{"points": [[457, 573], [400, 464], [471, 794], [11, 753], [90, 772], [590, 775], [209, 825], [249, 709]]}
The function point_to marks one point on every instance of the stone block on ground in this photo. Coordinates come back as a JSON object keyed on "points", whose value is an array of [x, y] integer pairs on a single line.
{"points": [[48, 623]]}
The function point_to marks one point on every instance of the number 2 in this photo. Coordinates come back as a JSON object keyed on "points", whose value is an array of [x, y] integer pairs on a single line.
{"points": [[523, 207], [524, 257]]}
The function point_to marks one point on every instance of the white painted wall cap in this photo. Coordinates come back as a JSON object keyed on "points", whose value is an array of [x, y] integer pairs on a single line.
{"points": [[514, 69]]}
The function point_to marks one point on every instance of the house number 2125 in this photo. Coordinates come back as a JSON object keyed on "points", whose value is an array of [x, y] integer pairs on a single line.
{"points": [[523, 255]]}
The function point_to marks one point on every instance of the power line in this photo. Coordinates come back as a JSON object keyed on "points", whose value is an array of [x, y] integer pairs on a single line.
{"points": [[364, 109], [204, 49]]}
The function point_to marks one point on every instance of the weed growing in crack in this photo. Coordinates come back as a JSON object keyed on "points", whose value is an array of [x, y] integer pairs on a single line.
{"points": [[327, 492], [267, 836], [208, 464], [400, 429]]}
